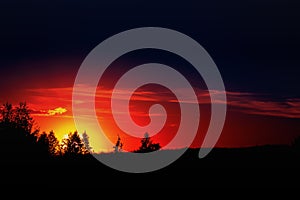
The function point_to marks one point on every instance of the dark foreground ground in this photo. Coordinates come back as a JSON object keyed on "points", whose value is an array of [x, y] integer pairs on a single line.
{"points": [[268, 166]]}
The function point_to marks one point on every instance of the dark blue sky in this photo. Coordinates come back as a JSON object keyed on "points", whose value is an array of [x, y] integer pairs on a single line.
{"points": [[254, 43]]}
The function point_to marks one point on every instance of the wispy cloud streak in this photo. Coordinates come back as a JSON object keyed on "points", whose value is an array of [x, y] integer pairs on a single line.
{"points": [[245, 102]]}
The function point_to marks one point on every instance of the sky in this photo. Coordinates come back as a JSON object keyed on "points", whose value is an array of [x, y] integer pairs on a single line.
{"points": [[255, 45]]}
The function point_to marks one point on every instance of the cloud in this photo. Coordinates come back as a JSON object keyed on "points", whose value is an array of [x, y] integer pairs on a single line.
{"points": [[288, 108], [57, 111], [254, 103], [245, 102], [50, 112]]}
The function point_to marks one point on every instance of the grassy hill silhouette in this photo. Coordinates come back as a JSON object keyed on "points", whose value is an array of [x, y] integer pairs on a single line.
{"points": [[25, 160], [264, 166]]}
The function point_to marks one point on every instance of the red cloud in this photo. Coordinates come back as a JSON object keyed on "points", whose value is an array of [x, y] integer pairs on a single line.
{"points": [[249, 103]]}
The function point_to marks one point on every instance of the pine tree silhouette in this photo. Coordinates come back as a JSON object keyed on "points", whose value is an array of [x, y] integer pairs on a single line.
{"points": [[119, 145]]}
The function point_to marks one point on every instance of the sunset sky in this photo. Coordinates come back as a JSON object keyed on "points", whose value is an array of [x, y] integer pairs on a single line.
{"points": [[254, 44]]}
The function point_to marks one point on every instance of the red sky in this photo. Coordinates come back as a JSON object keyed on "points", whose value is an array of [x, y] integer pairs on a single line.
{"points": [[252, 118]]}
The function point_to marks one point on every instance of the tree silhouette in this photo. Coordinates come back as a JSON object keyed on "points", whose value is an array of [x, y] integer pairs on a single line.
{"points": [[119, 145], [43, 144], [22, 118], [17, 140], [86, 142], [54, 147], [296, 144], [17, 118], [73, 145], [7, 114], [147, 145], [49, 143]]}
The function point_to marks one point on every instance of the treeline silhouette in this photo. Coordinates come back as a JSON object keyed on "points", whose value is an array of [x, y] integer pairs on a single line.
{"points": [[20, 141], [19, 138], [29, 157]]}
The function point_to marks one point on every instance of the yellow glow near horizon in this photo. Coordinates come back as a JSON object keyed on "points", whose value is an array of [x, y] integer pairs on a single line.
{"points": [[62, 126]]}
